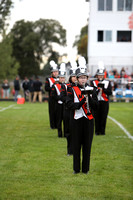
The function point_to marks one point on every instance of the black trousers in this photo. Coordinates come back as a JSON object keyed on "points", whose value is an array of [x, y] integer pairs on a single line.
{"points": [[101, 117], [66, 119], [59, 117], [67, 129], [52, 116], [82, 139], [25, 96]]}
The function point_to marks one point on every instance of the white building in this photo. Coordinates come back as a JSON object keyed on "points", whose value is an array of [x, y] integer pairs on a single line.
{"points": [[109, 38]]}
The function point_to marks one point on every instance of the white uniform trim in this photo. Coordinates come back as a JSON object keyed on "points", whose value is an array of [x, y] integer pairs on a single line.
{"points": [[65, 86], [106, 83], [58, 93], [95, 84], [51, 83], [122, 127]]}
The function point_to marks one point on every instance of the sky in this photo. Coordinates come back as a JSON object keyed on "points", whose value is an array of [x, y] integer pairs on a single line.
{"points": [[71, 14]]}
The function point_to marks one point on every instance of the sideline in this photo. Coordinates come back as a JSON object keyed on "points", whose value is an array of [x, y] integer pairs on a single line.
{"points": [[7, 107], [122, 127]]}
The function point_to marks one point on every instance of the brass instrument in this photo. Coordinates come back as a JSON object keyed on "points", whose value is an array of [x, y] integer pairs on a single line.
{"points": [[86, 93], [101, 86]]}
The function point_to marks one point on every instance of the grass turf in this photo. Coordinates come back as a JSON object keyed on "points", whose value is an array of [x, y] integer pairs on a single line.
{"points": [[34, 164]]}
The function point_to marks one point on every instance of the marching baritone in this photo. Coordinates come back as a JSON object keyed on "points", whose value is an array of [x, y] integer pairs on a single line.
{"points": [[48, 87], [82, 120], [104, 89]]}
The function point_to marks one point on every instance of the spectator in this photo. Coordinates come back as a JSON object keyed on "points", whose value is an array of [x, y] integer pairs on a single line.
{"points": [[105, 74], [127, 72], [122, 73], [37, 90], [111, 75], [16, 87], [115, 86], [31, 89], [6, 89], [114, 71], [128, 86], [25, 86], [117, 75]]}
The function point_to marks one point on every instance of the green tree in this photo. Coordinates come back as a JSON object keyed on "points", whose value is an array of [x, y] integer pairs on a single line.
{"points": [[25, 47], [50, 31], [81, 42], [8, 64], [5, 7], [33, 40]]}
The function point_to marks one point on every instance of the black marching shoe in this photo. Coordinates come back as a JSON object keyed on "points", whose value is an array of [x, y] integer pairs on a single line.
{"points": [[76, 172], [97, 133], [86, 172]]}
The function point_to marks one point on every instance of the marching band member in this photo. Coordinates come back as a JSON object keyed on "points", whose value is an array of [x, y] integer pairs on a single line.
{"points": [[104, 89], [56, 90], [82, 119], [67, 112], [48, 87]]}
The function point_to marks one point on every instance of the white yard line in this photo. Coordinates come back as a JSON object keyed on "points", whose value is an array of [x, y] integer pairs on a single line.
{"points": [[7, 108], [17, 108], [122, 127]]}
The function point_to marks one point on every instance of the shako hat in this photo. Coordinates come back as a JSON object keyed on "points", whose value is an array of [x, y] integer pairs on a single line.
{"points": [[72, 71], [62, 70], [53, 66], [100, 72], [82, 68]]}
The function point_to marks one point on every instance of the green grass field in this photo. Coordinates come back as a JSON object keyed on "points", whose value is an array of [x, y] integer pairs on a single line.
{"points": [[34, 164]]}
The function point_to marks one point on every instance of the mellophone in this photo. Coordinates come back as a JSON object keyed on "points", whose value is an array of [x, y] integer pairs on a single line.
{"points": [[86, 92]]}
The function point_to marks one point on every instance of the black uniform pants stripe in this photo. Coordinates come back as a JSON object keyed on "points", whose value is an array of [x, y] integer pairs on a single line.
{"points": [[52, 117], [82, 139], [101, 117], [68, 129], [59, 117], [66, 118]]}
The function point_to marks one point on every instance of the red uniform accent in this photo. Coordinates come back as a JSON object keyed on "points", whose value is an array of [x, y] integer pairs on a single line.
{"points": [[58, 86], [80, 97], [52, 79], [103, 94]]}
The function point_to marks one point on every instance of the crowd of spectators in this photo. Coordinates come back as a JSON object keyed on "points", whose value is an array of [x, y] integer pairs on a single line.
{"points": [[33, 88], [122, 84], [122, 79]]}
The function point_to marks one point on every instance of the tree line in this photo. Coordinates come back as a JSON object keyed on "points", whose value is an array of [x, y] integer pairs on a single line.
{"points": [[23, 48]]}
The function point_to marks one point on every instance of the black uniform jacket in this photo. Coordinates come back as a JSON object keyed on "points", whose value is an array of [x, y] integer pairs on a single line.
{"points": [[54, 94], [48, 88], [106, 91], [93, 101]]}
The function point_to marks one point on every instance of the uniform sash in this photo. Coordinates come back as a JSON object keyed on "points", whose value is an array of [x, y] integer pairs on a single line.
{"points": [[58, 90], [51, 81], [104, 97], [80, 96]]}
